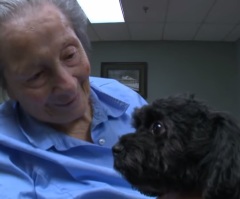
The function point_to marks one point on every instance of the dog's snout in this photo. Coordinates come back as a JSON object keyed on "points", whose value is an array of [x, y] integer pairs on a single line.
{"points": [[117, 149]]}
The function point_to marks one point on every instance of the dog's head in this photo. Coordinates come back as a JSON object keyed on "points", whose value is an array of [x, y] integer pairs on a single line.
{"points": [[180, 146]]}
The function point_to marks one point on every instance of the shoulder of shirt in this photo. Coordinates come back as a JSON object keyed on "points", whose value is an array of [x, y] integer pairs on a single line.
{"points": [[102, 82], [117, 90]]}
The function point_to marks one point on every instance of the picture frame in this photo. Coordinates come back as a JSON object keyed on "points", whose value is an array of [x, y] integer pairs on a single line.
{"points": [[131, 74]]}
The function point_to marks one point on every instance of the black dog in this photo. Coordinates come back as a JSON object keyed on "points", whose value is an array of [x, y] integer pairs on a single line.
{"points": [[181, 146]]}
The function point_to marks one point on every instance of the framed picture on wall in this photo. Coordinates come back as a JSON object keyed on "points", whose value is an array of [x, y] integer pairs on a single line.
{"points": [[131, 74]]}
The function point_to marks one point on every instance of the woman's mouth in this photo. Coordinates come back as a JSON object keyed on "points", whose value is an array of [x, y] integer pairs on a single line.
{"points": [[68, 103]]}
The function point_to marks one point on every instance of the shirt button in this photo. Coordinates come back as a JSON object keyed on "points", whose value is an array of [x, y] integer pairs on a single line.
{"points": [[101, 141]]}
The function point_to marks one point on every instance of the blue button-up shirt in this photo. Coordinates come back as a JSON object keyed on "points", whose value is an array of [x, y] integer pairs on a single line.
{"points": [[39, 162]]}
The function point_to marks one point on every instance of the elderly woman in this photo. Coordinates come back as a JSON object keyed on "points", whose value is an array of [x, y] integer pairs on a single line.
{"points": [[59, 124]]}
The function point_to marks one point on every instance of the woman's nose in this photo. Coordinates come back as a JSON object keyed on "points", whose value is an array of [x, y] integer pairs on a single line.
{"points": [[64, 81]]}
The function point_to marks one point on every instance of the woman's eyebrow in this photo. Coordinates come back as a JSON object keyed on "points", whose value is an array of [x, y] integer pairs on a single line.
{"points": [[66, 41]]}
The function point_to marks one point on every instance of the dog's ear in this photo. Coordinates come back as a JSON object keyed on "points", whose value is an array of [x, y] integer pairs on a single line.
{"points": [[223, 160]]}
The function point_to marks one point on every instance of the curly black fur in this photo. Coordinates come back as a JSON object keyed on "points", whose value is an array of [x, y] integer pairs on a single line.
{"points": [[181, 146]]}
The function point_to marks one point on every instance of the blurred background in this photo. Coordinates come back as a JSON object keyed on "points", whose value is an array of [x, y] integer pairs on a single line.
{"points": [[190, 46]]}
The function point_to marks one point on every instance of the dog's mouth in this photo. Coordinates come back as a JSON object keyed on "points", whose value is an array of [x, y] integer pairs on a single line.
{"points": [[147, 186], [132, 157], [131, 167], [150, 190], [128, 165], [138, 160]]}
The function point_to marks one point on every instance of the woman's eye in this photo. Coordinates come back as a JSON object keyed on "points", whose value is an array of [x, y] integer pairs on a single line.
{"points": [[157, 128], [37, 80], [70, 56], [35, 76], [69, 53]]}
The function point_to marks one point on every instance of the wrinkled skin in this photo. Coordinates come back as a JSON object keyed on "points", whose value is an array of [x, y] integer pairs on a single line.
{"points": [[47, 68]]}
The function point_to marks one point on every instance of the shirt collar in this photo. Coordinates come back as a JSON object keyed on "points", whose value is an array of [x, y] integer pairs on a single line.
{"points": [[111, 105], [43, 136]]}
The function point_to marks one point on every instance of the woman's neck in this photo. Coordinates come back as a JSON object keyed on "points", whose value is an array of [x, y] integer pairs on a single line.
{"points": [[79, 128]]}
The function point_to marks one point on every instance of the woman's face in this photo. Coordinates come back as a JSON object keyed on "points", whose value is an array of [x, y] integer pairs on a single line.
{"points": [[47, 68]]}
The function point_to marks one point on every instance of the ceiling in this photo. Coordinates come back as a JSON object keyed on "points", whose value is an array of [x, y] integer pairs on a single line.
{"points": [[185, 20]]}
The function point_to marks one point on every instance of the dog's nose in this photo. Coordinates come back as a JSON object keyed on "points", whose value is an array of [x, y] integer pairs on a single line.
{"points": [[117, 149]]}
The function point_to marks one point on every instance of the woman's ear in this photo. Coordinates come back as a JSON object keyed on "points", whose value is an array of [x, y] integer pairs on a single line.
{"points": [[223, 161]]}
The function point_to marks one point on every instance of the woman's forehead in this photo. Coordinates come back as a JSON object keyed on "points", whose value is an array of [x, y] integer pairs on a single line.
{"points": [[33, 38], [36, 29], [33, 19]]}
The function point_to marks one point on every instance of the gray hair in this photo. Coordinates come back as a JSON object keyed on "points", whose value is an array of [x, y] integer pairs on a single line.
{"points": [[11, 9]]}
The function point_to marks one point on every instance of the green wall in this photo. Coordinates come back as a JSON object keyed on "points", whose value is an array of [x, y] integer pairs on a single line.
{"points": [[210, 70]]}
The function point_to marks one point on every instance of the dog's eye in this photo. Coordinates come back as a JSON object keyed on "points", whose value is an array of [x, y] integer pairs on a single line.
{"points": [[157, 128]]}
